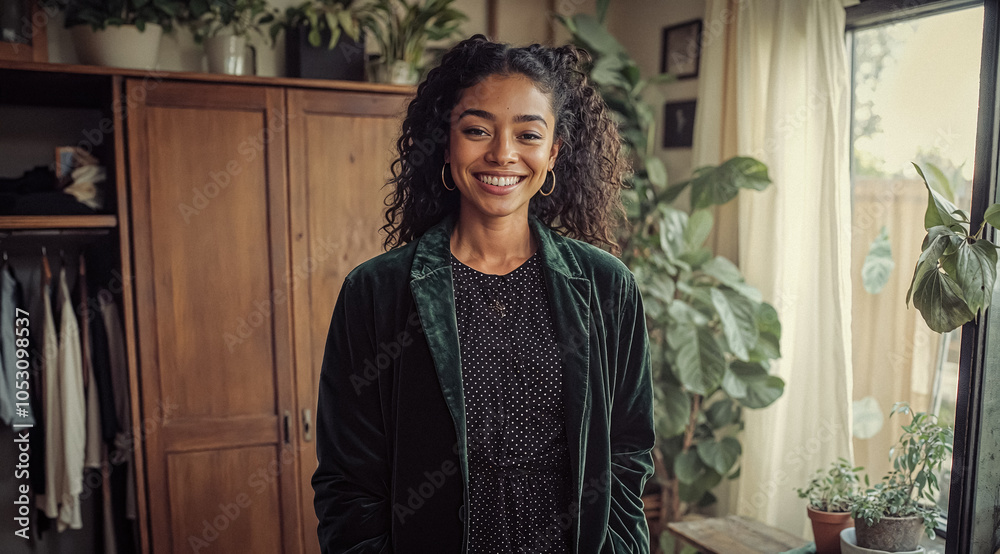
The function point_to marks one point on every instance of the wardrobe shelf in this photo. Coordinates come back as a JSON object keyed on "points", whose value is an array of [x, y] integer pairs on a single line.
{"points": [[8, 222]]}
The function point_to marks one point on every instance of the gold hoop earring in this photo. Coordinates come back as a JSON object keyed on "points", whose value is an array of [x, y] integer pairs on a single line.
{"points": [[551, 190], [443, 182]]}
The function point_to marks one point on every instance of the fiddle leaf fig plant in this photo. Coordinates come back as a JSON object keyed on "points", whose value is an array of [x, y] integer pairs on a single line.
{"points": [[954, 276], [911, 488], [712, 337]]}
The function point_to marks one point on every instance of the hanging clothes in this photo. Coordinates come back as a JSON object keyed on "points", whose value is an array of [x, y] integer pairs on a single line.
{"points": [[48, 500], [124, 441], [70, 367], [8, 358], [92, 452], [101, 363]]}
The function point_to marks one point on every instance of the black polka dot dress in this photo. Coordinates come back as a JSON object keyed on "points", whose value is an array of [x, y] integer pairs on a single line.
{"points": [[512, 378]]}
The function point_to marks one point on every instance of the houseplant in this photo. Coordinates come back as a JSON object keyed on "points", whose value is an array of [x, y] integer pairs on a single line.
{"points": [[954, 275], [829, 494], [402, 29], [323, 39], [712, 338], [224, 27], [891, 514], [119, 33]]}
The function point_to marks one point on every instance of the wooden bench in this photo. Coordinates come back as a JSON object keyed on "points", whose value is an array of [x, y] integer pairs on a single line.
{"points": [[734, 535]]}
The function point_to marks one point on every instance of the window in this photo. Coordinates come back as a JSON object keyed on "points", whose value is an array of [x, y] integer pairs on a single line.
{"points": [[915, 99]]}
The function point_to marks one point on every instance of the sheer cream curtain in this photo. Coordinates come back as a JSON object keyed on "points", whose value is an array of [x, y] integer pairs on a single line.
{"points": [[775, 86]]}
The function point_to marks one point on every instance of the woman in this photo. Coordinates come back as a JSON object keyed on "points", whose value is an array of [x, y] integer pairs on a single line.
{"points": [[486, 383]]}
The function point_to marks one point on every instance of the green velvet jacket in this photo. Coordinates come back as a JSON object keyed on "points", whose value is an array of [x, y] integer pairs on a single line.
{"points": [[390, 430]]}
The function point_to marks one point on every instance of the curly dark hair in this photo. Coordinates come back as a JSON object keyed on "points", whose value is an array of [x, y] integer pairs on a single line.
{"points": [[590, 166]]}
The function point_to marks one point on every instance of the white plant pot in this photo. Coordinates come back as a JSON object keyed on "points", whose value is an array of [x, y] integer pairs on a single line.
{"points": [[397, 72], [849, 545], [228, 54], [123, 46]]}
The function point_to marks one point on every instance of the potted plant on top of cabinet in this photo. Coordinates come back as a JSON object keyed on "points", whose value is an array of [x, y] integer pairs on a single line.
{"points": [[323, 40], [119, 33], [829, 494], [402, 30], [224, 27], [891, 515]]}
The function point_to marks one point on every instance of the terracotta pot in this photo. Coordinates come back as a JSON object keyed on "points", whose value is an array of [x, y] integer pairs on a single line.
{"points": [[891, 534], [826, 529]]}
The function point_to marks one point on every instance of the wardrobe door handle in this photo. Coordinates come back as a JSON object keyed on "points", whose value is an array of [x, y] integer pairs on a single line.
{"points": [[307, 426], [288, 427]]}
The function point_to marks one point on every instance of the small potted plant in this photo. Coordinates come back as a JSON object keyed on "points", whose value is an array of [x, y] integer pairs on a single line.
{"points": [[120, 33], [323, 40], [829, 494], [891, 515], [402, 30], [224, 27]]}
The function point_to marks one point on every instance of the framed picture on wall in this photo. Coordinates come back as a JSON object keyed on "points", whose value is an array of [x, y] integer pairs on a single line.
{"points": [[681, 50], [678, 124]]}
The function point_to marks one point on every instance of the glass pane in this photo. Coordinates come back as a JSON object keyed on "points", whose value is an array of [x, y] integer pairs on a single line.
{"points": [[916, 91]]}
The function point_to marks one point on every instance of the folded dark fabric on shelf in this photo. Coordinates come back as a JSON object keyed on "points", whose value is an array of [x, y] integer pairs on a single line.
{"points": [[37, 193]]}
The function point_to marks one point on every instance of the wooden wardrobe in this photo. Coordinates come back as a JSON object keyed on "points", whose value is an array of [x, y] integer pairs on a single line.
{"points": [[249, 200]]}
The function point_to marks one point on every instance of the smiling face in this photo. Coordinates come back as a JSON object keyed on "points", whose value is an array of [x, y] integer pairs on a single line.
{"points": [[501, 146]]}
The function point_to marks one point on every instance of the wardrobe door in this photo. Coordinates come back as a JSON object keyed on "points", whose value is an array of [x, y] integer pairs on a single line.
{"points": [[340, 147], [209, 213]]}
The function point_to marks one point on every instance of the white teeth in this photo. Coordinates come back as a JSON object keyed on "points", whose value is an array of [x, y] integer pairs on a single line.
{"points": [[499, 181]]}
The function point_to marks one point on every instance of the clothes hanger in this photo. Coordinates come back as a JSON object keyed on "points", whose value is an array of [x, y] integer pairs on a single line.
{"points": [[46, 271]]}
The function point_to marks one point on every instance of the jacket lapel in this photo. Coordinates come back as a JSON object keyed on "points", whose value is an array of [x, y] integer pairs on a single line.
{"points": [[433, 293], [569, 297]]}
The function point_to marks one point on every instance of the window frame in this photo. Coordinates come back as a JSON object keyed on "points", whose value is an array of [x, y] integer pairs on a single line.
{"points": [[968, 532]]}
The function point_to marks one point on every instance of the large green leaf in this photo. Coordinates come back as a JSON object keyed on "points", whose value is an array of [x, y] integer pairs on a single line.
{"points": [[751, 385], [721, 184], [937, 180], [699, 227], [728, 274], [939, 209], [720, 455], [721, 413], [928, 260], [939, 299], [736, 313], [688, 467], [673, 409], [700, 362], [694, 492], [992, 216], [976, 271], [595, 35], [657, 171], [607, 72], [672, 224], [878, 263]]}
